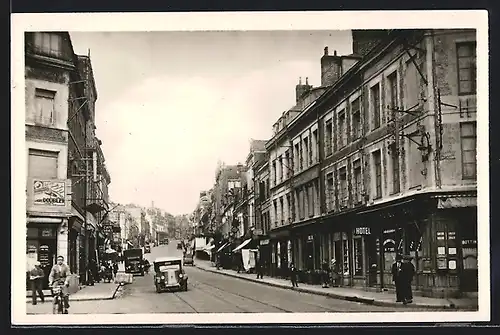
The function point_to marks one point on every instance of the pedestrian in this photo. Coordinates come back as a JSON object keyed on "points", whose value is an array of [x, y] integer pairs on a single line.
{"points": [[36, 278], [396, 277], [293, 275], [325, 273], [115, 269], [239, 262], [406, 277], [334, 270], [258, 267]]}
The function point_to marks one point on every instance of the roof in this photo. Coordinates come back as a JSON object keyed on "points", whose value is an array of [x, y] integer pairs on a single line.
{"points": [[167, 259], [258, 145]]}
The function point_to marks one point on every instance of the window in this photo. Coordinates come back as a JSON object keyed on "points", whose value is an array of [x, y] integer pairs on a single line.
{"points": [[296, 158], [395, 172], [42, 164], [356, 119], [287, 164], [345, 253], [282, 211], [375, 105], [274, 173], [328, 137], [358, 257], [48, 43], [466, 58], [342, 129], [44, 106], [378, 174], [314, 147], [301, 157], [306, 151], [275, 206], [392, 80], [330, 189], [468, 146], [280, 169], [310, 200], [357, 181], [343, 187]]}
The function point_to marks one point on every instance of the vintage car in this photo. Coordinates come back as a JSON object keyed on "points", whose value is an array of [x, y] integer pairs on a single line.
{"points": [[169, 274], [134, 261], [187, 258]]}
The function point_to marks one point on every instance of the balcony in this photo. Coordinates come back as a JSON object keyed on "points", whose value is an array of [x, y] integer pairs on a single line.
{"points": [[96, 201]]}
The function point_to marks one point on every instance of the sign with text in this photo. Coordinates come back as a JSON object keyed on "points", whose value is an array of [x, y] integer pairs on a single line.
{"points": [[46, 195], [362, 231]]}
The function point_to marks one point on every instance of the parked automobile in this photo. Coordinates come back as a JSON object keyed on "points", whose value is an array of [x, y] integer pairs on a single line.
{"points": [[187, 258], [133, 261]]}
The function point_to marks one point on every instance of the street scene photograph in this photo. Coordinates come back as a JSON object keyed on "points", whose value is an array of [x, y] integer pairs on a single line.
{"points": [[240, 171]]}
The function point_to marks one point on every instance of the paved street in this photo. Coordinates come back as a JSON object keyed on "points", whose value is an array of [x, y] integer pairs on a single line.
{"points": [[210, 293]]}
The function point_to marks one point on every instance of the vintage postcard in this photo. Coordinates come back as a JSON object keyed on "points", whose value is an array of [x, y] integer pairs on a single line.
{"points": [[303, 167]]}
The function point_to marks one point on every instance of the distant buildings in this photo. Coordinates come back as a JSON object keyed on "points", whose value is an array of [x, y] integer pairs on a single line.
{"points": [[378, 160]]}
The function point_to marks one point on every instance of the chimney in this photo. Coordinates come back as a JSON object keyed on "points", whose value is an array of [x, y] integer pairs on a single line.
{"points": [[300, 89], [331, 68], [365, 40]]}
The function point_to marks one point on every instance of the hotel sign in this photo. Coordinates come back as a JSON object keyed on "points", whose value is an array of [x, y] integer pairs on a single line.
{"points": [[46, 195]]}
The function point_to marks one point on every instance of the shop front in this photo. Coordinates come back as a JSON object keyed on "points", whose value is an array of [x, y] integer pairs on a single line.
{"points": [[41, 245], [265, 254], [281, 252]]}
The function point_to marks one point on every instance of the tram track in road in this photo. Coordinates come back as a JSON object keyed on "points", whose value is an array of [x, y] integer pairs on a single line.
{"points": [[176, 294], [197, 284]]}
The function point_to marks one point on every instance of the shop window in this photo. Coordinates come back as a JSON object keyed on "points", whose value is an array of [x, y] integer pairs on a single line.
{"points": [[345, 254], [446, 258], [358, 256]]}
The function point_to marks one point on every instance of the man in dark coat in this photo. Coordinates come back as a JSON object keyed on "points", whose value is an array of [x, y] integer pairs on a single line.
{"points": [[325, 273], [406, 277], [258, 266], [396, 277], [293, 275], [36, 278]]}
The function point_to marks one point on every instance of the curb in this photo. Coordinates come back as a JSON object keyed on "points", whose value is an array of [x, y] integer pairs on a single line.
{"points": [[367, 301], [50, 299]]}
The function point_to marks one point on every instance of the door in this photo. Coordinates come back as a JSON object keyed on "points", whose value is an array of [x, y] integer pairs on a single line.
{"points": [[309, 253], [372, 252], [469, 273]]}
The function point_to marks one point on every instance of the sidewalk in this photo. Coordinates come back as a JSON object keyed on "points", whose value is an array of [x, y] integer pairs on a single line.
{"points": [[350, 294], [100, 291]]}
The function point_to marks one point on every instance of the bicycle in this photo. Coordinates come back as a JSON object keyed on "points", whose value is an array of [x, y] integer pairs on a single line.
{"points": [[58, 304]]}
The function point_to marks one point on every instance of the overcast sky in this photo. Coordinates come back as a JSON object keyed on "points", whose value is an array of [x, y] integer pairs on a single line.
{"points": [[171, 104]]}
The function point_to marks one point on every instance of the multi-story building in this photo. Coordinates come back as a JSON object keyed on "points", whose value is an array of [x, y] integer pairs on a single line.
{"points": [[294, 176], [396, 162], [49, 71], [256, 155], [262, 209]]}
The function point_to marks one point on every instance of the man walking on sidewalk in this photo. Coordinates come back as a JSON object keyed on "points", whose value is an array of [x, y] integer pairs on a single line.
{"points": [[293, 275], [36, 278], [406, 277], [258, 267], [396, 277]]}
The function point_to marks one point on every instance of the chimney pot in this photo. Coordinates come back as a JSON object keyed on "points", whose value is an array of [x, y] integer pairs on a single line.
{"points": [[300, 80], [335, 52], [307, 80], [326, 51]]}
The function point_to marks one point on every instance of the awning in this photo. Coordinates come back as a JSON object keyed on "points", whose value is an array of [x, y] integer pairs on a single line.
{"points": [[222, 247], [457, 202], [242, 245]]}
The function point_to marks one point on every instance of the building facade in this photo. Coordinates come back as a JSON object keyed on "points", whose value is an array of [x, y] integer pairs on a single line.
{"points": [[395, 170]]}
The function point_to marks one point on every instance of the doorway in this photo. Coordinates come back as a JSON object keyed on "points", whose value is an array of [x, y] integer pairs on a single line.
{"points": [[372, 252]]}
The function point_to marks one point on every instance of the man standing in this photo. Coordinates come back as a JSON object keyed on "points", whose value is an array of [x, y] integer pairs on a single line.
{"points": [[258, 266], [60, 274], [396, 277], [36, 278], [407, 273], [335, 272], [325, 273], [293, 275]]}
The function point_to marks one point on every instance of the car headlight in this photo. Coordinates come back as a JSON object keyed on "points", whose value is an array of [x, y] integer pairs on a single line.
{"points": [[162, 277], [180, 275]]}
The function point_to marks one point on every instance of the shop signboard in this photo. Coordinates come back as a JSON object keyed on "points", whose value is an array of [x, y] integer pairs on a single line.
{"points": [[362, 231], [49, 195], [108, 230]]}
